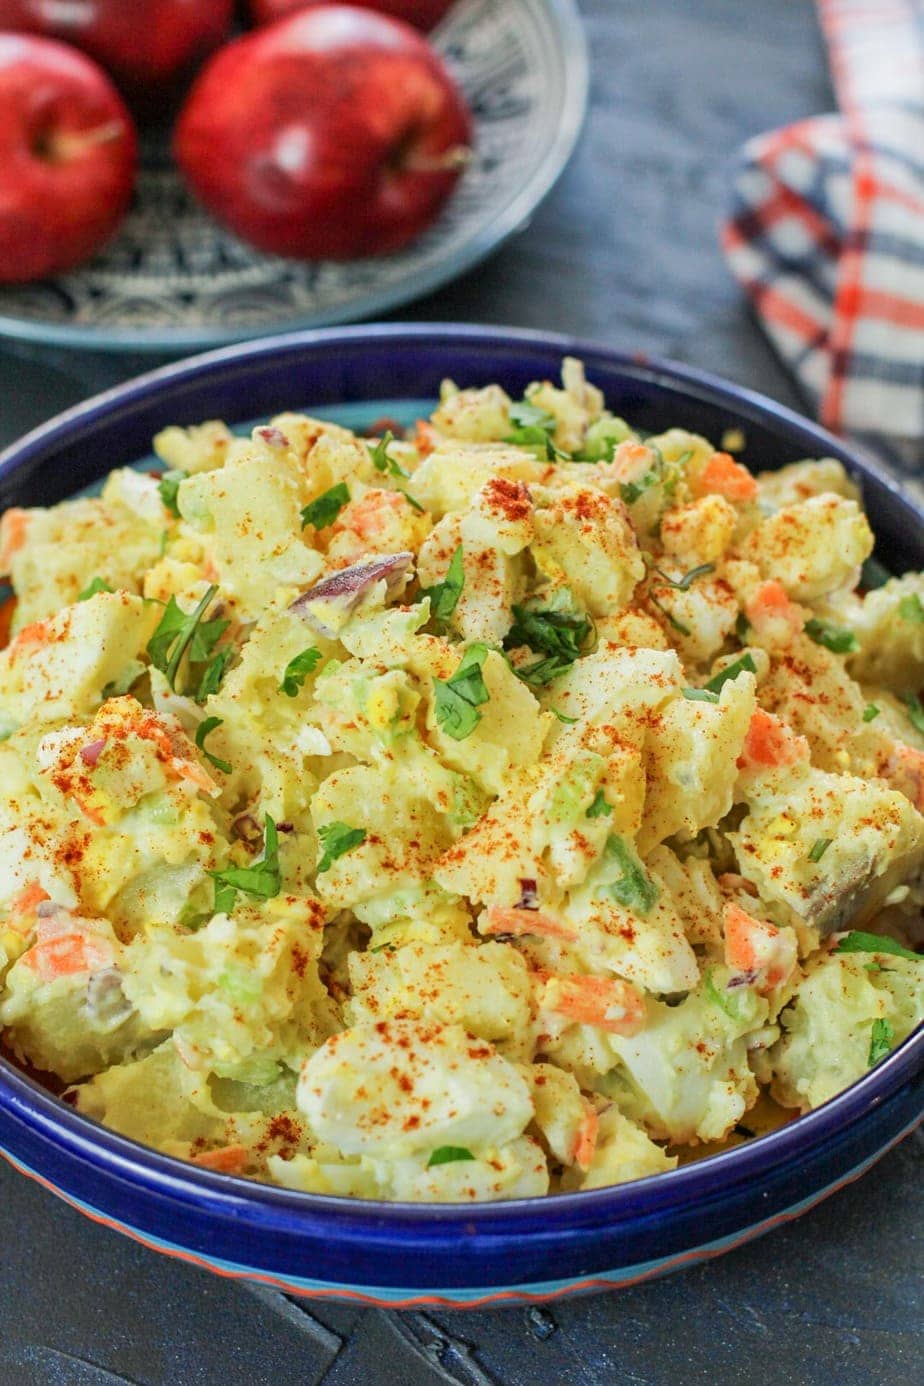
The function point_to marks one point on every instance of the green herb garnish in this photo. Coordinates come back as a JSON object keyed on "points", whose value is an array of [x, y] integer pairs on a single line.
{"points": [[915, 712], [335, 839], [870, 712], [444, 596], [857, 942], [634, 888], [178, 633], [297, 670], [669, 617], [743, 664], [96, 585], [381, 461], [204, 729], [700, 695], [819, 847], [324, 510], [559, 635], [534, 427], [458, 698], [600, 807], [263, 879], [448, 1155], [837, 639], [683, 584], [167, 488], [415, 504], [563, 716], [882, 1037]]}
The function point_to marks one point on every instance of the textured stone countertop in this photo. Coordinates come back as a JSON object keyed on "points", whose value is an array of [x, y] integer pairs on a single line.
{"points": [[624, 250]]}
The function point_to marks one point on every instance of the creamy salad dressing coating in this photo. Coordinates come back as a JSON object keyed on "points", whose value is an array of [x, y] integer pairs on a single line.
{"points": [[497, 810]]}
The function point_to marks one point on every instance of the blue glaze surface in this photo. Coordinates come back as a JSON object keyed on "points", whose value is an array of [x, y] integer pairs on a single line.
{"points": [[446, 1254]]}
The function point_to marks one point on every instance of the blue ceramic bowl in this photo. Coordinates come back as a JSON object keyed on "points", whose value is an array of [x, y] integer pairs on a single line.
{"points": [[399, 1254]]}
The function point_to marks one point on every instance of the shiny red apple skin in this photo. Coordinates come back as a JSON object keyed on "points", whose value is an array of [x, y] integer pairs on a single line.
{"points": [[423, 14], [146, 45], [68, 157], [334, 134]]}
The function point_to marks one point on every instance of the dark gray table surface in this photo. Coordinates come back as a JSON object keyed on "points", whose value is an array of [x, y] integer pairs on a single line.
{"points": [[624, 250]]}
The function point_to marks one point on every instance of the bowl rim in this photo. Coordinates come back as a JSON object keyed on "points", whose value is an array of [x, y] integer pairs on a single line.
{"points": [[27, 1102]]}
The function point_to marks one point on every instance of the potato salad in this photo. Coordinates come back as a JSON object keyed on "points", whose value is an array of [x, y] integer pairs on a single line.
{"points": [[495, 809]]}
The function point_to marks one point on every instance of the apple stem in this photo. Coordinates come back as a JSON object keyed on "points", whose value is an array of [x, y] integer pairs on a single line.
{"points": [[450, 161], [61, 148]]}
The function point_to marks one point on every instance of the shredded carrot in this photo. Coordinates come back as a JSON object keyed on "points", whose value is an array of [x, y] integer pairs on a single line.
{"points": [[607, 1002], [723, 476], [228, 1159], [770, 609], [517, 922], [769, 742], [586, 1142], [28, 899], [66, 954], [754, 945]]}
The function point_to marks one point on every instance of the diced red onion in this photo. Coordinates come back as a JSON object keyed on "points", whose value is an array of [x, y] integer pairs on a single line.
{"points": [[529, 898], [742, 979], [106, 1001], [346, 588], [273, 436], [91, 754], [46, 909]]}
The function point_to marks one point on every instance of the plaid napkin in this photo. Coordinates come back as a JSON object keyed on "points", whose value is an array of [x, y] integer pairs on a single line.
{"points": [[827, 231]]}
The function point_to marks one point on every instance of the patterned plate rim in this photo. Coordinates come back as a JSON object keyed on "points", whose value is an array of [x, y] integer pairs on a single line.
{"points": [[487, 238]]}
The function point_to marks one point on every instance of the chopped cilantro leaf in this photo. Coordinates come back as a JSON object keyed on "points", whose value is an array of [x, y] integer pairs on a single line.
{"points": [[204, 729], [167, 488], [870, 712], [381, 461], [324, 509], [335, 839], [534, 427], [178, 633], [819, 847], [448, 1155], [634, 888], [600, 807], [444, 596], [558, 634], [857, 942], [700, 695], [297, 670], [213, 673], [743, 664], [911, 609], [837, 639], [263, 879], [458, 698], [97, 584], [882, 1037]]}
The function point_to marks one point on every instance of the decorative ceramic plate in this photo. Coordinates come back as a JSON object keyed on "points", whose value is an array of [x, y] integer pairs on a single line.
{"points": [[174, 279], [402, 1255]]}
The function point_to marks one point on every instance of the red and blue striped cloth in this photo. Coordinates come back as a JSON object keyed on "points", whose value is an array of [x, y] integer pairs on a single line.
{"points": [[826, 233]]}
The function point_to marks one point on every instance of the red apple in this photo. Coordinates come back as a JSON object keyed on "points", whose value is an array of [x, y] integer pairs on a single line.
{"points": [[423, 14], [145, 44], [68, 155], [333, 134]]}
